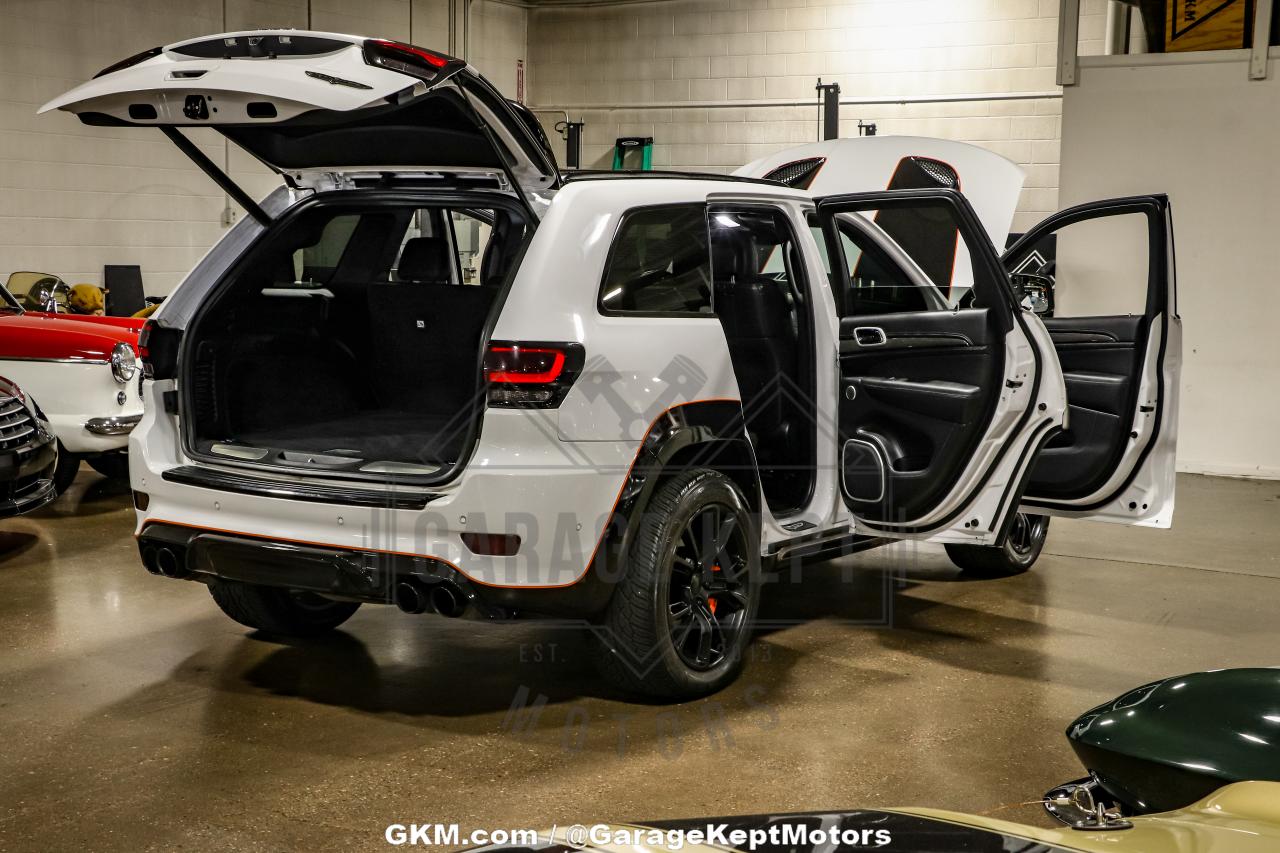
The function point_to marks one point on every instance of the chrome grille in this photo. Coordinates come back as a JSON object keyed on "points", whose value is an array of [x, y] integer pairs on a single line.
{"points": [[17, 427]]}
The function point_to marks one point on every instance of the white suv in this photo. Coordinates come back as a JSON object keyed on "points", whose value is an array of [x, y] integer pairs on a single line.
{"points": [[433, 371]]}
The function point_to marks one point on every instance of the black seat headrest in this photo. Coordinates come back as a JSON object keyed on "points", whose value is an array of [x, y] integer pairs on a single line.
{"points": [[732, 257], [424, 259]]}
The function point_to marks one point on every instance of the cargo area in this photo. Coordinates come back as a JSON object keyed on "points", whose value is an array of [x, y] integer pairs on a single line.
{"points": [[350, 340]]}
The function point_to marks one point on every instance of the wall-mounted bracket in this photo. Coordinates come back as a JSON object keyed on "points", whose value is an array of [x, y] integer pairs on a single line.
{"points": [[1068, 41], [1262, 10], [830, 94]]}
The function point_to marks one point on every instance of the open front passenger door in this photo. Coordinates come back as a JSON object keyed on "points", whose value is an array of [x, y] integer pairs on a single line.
{"points": [[1103, 276], [944, 396]]}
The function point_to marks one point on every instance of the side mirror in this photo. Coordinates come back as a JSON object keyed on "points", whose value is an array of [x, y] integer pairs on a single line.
{"points": [[1036, 292]]}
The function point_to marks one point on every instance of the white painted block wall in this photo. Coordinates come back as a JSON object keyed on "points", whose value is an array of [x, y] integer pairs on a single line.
{"points": [[635, 69]]}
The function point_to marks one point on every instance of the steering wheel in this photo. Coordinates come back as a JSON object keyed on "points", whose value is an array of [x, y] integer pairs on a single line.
{"points": [[47, 294]]}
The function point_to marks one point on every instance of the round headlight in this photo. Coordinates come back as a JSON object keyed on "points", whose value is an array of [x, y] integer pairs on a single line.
{"points": [[124, 363]]}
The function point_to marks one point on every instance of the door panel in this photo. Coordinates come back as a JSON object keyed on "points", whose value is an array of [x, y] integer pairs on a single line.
{"points": [[938, 407], [1100, 362], [922, 398], [1114, 460]]}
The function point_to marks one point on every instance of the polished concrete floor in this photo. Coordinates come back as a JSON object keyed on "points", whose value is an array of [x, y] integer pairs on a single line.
{"points": [[134, 716]]}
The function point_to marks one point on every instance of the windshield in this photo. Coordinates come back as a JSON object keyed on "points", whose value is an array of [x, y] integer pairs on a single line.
{"points": [[34, 291], [7, 302]]}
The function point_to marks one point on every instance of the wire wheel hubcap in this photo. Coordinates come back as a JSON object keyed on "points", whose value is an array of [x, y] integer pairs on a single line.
{"points": [[707, 601]]}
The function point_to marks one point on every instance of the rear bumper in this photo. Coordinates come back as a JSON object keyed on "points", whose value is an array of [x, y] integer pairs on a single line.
{"points": [[351, 574], [26, 479]]}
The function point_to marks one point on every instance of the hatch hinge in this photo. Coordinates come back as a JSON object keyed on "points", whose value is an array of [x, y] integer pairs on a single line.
{"points": [[221, 178]]}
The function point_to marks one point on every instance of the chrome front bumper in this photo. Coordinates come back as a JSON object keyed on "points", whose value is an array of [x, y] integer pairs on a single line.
{"points": [[113, 425]]}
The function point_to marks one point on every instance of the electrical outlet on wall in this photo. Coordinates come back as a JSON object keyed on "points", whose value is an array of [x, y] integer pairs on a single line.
{"points": [[228, 216]]}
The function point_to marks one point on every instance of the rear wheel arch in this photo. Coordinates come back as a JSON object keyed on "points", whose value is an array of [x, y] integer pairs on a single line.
{"points": [[694, 435], [732, 457]]}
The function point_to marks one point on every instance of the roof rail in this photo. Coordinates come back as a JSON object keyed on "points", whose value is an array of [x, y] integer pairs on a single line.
{"points": [[603, 175]]}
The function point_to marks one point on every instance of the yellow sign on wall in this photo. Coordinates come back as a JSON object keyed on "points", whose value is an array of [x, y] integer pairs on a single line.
{"points": [[1207, 24]]}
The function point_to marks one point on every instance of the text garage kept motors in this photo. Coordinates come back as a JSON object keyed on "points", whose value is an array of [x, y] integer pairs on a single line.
{"points": [[776, 835]]}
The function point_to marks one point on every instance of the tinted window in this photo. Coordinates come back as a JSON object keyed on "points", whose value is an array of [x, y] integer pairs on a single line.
{"points": [[1094, 268], [315, 263], [659, 263], [876, 284], [754, 246], [471, 236]]}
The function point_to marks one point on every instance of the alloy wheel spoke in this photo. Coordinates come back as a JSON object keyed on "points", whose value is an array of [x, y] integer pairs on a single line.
{"points": [[709, 523], [721, 542], [708, 601], [689, 542], [705, 636], [685, 629]]}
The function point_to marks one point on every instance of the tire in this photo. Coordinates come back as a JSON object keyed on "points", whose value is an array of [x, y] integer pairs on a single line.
{"points": [[64, 474], [280, 611], [676, 628], [1018, 553], [113, 466]]}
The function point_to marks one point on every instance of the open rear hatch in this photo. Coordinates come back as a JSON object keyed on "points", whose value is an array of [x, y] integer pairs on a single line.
{"points": [[347, 341], [323, 102]]}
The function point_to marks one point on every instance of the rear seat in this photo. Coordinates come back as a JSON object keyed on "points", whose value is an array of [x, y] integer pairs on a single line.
{"points": [[426, 333]]}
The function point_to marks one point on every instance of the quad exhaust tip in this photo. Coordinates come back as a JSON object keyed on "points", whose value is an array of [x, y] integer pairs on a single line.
{"points": [[164, 561], [443, 598], [412, 598], [447, 600]]}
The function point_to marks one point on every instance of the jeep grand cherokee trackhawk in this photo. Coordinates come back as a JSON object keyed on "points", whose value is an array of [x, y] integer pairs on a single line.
{"points": [[431, 370]]}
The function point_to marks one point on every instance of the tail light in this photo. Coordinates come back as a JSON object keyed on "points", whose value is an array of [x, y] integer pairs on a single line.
{"points": [[158, 350], [531, 375], [407, 59]]}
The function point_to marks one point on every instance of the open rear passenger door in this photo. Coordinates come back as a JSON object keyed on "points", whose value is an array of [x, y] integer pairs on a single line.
{"points": [[1103, 276], [944, 398]]}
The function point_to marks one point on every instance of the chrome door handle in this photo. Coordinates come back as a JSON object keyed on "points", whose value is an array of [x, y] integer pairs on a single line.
{"points": [[870, 336]]}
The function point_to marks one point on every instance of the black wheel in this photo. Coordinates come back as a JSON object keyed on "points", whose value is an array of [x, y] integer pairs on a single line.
{"points": [[113, 466], [681, 617], [1019, 552], [289, 613], [64, 473]]}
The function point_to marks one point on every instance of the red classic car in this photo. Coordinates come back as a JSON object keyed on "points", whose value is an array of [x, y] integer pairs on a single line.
{"points": [[80, 370]]}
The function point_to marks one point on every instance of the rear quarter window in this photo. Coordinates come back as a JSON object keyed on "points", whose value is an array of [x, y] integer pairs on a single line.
{"points": [[659, 264]]}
